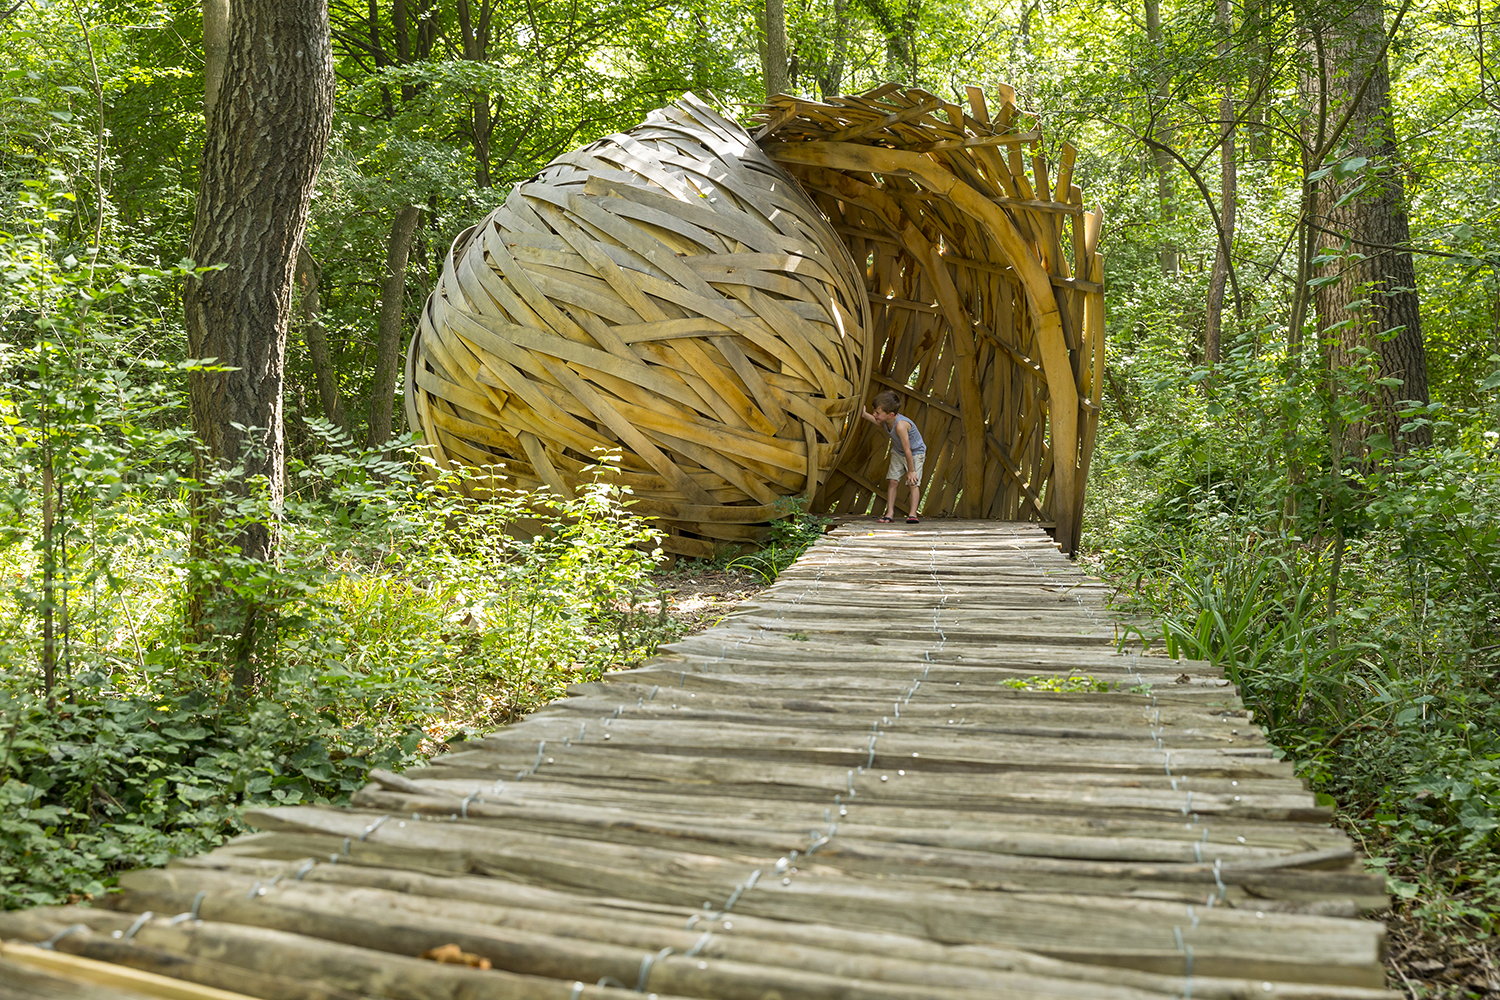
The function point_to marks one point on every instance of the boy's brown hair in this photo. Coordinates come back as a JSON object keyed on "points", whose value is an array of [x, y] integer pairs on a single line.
{"points": [[887, 402]]}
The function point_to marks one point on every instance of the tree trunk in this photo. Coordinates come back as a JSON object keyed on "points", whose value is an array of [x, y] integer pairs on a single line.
{"points": [[392, 303], [401, 28], [909, 19], [1258, 78], [1375, 293], [775, 52], [309, 280], [265, 139], [1228, 192], [49, 563], [702, 81], [833, 76], [381, 57], [476, 41], [1166, 186], [215, 48]]}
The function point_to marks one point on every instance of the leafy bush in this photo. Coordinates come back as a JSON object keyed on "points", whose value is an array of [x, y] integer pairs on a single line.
{"points": [[1364, 631], [401, 614], [790, 537], [96, 783]]}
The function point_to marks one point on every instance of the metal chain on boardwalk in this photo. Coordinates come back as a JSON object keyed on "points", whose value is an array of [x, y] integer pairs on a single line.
{"points": [[1187, 809]]}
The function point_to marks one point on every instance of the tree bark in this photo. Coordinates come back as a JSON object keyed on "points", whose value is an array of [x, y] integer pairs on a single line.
{"points": [[1258, 78], [1228, 193], [266, 136], [476, 40], [215, 48], [702, 84], [309, 280], [392, 303], [381, 57], [775, 52], [1375, 293], [833, 76], [1166, 187]]}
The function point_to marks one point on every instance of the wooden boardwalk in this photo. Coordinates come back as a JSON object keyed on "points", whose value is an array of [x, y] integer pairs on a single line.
{"points": [[856, 787]]}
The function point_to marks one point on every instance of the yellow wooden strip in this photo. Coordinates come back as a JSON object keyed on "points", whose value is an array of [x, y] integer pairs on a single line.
{"points": [[502, 359], [670, 329], [788, 327], [603, 265], [538, 342], [537, 454], [810, 438], [593, 295], [777, 452], [476, 433], [88, 970], [518, 278], [810, 412], [1063, 413], [699, 215], [753, 479], [716, 270], [633, 438], [456, 394], [769, 418], [729, 403]]}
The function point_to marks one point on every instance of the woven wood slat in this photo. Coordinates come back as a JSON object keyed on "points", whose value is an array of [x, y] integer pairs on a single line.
{"points": [[670, 294], [675, 294]]}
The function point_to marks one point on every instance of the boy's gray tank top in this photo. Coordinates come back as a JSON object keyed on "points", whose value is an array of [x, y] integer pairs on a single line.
{"points": [[914, 435]]}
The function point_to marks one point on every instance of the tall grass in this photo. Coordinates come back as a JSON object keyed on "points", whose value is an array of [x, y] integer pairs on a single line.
{"points": [[1378, 673]]}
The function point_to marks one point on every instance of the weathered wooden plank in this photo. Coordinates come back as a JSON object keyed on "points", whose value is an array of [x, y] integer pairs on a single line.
{"points": [[643, 925], [1300, 879], [1093, 928], [1134, 842], [329, 963], [49, 972], [548, 808]]}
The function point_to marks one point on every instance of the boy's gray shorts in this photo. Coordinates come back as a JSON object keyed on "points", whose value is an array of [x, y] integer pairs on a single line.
{"points": [[897, 468]]}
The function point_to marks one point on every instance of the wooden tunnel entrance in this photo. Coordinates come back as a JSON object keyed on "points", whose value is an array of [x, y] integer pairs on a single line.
{"points": [[986, 292]]}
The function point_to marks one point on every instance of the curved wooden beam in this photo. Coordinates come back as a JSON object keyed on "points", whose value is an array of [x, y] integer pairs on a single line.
{"points": [[1063, 398]]}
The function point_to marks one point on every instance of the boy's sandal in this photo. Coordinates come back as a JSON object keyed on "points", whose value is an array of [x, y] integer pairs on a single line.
{"points": [[914, 519], [884, 520]]}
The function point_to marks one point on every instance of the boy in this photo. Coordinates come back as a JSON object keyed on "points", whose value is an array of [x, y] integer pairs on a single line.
{"points": [[907, 452]]}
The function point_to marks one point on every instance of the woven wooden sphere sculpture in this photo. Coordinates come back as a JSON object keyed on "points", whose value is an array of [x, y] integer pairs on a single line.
{"points": [[670, 294]]}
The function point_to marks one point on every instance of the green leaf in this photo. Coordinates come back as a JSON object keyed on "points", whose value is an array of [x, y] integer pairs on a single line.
{"points": [[1400, 889]]}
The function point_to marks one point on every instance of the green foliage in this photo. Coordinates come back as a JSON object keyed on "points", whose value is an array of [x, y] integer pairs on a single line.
{"points": [[98, 782], [379, 651], [1073, 683], [790, 537], [1358, 610]]}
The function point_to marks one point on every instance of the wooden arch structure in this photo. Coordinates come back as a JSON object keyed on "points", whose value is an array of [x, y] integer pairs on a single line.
{"points": [[675, 295], [986, 287]]}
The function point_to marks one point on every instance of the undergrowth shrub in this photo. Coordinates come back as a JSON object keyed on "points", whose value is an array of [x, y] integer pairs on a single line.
{"points": [[791, 535], [401, 614], [1377, 668]]}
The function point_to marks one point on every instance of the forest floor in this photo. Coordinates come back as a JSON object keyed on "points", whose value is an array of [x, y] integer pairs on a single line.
{"points": [[1427, 965], [698, 594]]}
